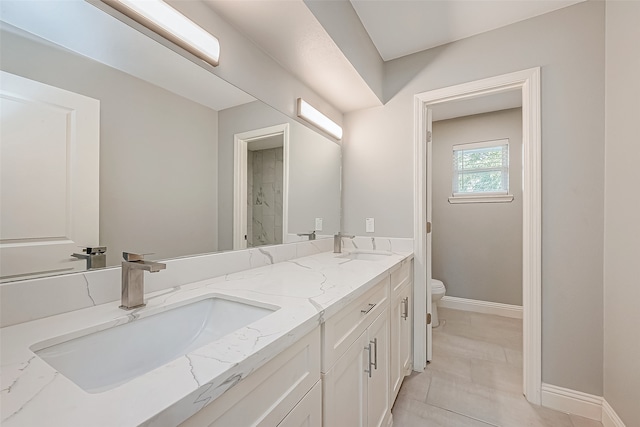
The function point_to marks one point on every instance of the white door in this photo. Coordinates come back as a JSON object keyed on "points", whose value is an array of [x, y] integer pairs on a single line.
{"points": [[429, 139], [345, 387], [49, 177], [378, 388]]}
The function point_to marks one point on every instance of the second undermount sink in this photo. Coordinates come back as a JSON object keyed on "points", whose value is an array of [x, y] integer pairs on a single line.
{"points": [[103, 360], [366, 255]]}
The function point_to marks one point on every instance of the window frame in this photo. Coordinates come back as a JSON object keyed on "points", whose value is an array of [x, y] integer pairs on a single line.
{"points": [[502, 196]]}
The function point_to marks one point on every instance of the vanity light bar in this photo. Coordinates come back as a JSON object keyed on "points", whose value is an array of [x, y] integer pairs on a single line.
{"points": [[166, 21], [316, 118]]}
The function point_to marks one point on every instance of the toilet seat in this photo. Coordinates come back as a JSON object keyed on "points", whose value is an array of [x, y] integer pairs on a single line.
{"points": [[437, 286]]}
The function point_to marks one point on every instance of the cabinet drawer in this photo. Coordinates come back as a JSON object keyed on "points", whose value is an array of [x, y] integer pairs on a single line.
{"points": [[341, 330], [266, 396], [401, 276]]}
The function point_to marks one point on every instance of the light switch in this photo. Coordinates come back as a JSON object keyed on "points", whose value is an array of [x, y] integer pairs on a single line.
{"points": [[370, 225], [318, 224]]}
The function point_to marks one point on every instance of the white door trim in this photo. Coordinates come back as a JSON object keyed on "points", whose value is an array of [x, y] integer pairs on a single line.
{"points": [[240, 141], [528, 82]]}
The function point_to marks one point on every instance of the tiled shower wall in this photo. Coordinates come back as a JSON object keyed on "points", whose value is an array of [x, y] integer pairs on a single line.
{"points": [[264, 170]]}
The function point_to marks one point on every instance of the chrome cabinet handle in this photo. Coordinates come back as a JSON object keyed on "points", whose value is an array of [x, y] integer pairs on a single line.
{"points": [[405, 302], [375, 354], [368, 371], [368, 310]]}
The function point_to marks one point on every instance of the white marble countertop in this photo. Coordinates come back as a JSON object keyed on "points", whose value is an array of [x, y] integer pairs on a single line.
{"points": [[308, 290]]}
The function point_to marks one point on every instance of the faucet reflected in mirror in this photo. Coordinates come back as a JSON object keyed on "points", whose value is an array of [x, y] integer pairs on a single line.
{"points": [[311, 235], [95, 256], [133, 268]]}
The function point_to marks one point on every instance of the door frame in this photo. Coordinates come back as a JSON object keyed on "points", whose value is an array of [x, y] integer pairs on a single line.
{"points": [[528, 82], [240, 148]]}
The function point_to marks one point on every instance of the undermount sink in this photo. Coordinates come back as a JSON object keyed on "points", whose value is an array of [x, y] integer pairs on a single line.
{"points": [[106, 359], [366, 255]]}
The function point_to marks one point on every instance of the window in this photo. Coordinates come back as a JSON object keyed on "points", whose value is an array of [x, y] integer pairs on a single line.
{"points": [[481, 172]]}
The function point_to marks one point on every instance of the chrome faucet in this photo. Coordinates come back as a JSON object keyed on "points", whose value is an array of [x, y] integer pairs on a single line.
{"points": [[94, 255], [133, 268], [337, 242], [312, 235]]}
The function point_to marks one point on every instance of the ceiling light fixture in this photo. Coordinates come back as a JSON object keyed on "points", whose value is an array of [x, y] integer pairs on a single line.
{"points": [[316, 118], [164, 20]]}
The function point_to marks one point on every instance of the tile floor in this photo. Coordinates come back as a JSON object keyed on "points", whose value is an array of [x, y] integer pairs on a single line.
{"points": [[475, 379]]}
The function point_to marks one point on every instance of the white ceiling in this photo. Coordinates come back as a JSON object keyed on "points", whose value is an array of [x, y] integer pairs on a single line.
{"points": [[289, 32], [399, 28]]}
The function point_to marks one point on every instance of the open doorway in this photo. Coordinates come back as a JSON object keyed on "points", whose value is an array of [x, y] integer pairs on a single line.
{"points": [[476, 203], [260, 187], [527, 84]]}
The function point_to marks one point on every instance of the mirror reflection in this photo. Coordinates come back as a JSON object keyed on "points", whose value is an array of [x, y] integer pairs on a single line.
{"points": [[110, 139]]}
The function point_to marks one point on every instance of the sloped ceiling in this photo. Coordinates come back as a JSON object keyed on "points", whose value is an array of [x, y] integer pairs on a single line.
{"points": [[341, 54], [290, 33]]}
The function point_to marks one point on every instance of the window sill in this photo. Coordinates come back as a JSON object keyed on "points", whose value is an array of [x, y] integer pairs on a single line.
{"points": [[494, 198]]}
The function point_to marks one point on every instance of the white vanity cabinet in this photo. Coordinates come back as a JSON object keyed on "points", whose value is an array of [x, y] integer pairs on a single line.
{"points": [[346, 373], [356, 362], [285, 392], [401, 324]]}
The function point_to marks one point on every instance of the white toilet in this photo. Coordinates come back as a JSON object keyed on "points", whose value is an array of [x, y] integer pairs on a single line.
{"points": [[437, 292]]}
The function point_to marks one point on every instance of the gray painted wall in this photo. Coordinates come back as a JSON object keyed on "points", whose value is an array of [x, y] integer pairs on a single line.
{"points": [[158, 151], [314, 171], [622, 211], [568, 45], [477, 247]]}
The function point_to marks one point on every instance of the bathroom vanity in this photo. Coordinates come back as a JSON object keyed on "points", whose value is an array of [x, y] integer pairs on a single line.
{"points": [[249, 336], [329, 344]]}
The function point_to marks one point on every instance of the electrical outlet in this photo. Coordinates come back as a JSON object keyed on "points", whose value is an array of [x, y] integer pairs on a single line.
{"points": [[370, 225], [318, 224]]}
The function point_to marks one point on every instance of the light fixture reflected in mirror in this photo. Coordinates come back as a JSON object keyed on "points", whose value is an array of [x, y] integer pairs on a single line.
{"points": [[164, 20], [316, 118]]}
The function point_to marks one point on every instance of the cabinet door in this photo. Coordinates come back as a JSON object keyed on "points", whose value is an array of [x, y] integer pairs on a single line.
{"points": [[405, 343], [379, 408], [396, 350], [345, 387], [308, 412]]}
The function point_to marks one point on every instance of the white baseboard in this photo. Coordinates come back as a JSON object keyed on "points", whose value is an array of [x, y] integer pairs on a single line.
{"points": [[579, 403], [572, 401], [609, 416], [505, 310]]}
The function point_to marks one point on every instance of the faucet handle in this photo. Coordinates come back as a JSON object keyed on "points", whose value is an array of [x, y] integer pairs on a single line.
{"points": [[94, 250], [348, 236], [129, 256]]}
